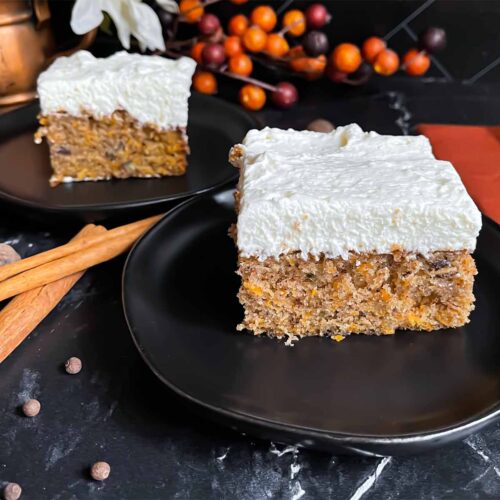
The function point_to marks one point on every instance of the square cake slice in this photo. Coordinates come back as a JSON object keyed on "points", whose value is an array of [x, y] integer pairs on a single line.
{"points": [[116, 117], [351, 232]]}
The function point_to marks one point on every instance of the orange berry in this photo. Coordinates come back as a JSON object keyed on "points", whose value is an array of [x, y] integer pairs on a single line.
{"points": [[276, 45], [386, 63], [264, 17], [237, 25], [346, 57], [297, 51], [233, 45], [254, 39], [240, 64], [197, 50], [205, 82], [311, 67], [252, 97], [371, 48], [416, 63], [192, 10], [295, 20]]}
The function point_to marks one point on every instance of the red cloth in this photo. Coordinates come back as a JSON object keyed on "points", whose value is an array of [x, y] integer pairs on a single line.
{"points": [[475, 153]]}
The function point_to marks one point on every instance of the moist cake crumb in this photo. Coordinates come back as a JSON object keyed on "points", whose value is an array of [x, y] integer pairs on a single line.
{"points": [[117, 117], [350, 232]]}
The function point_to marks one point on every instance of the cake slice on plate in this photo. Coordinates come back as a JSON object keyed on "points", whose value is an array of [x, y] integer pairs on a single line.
{"points": [[351, 232], [116, 117]]}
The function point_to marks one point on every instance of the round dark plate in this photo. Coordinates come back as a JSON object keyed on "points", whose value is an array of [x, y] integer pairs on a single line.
{"points": [[214, 126], [371, 395]]}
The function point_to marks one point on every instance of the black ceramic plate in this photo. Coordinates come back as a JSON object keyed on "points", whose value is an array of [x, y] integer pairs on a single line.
{"points": [[214, 126], [372, 395]]}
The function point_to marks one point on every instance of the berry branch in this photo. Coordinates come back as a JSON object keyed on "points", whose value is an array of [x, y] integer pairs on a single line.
{"points": [[265, 37]]}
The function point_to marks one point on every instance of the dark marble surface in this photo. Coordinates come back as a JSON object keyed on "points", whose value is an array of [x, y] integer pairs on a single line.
{"points": [[116, 410]]}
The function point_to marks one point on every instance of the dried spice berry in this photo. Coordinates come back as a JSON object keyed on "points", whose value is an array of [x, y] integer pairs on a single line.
{"points": [[100, 471], [317, 16], [233, 45], [73, 365], [213, 54], [12, 491], [264, 17], [315, 43], [276, 45], [372, 47], [295, 22], [311, 67], [386, 62], [205, 82], [208, 24], [321, 125], [285, 96], [7, 254], [254, 39], [432, 40], [238, 24], [197, 50], [240, 64], [346, 58], [31, 408], [192, 10], [252, 97], [416, 63]]}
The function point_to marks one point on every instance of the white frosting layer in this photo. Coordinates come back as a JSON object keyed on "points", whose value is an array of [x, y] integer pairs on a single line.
{"points": [[349, 191], [152, 89]]}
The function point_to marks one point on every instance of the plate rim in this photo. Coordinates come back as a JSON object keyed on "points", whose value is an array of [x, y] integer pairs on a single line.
{"points": [[460, 430], [253, 122]]}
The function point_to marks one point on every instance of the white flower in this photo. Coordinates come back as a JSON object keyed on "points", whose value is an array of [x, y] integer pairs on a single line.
{"points": [[131, 17]]}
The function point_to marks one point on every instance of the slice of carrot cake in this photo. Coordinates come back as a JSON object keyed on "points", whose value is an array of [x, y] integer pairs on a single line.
{"points": [[351, 232], [116, 117]]}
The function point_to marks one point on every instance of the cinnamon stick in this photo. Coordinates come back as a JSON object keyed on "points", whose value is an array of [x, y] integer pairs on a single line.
{"points": [[26, 311], [108, 247], [75, 245]]}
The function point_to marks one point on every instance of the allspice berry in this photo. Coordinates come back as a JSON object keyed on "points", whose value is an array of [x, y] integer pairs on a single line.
{"points": [[31, 408], [12, 491], [100, 471], [321, 125], [73, 365], [7, 254]]}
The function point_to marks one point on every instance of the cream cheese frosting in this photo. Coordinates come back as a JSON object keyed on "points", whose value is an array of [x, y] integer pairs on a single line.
{"points": [[348, 191], [152, 89]]}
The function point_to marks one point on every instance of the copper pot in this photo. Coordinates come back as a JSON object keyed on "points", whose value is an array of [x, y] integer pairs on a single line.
{"points": [[27, 47]]}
